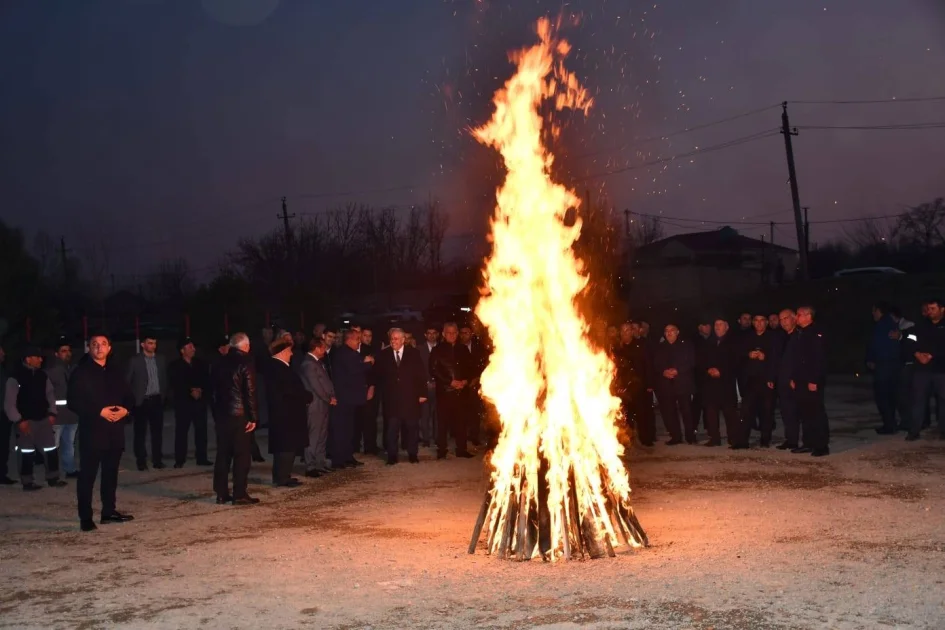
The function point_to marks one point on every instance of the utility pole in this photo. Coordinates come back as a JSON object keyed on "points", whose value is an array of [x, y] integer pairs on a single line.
{"points": [[771, 233], [806, 231], [285, 216], [787, 132], [65, 260]]}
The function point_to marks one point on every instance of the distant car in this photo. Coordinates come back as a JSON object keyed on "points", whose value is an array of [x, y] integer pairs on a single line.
{"points": [[403, 313], [863, 271]]}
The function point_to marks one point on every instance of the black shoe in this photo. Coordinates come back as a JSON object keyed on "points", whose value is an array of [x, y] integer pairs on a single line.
{"points": [[391, 462], [31, 487], [713, 443], [6, 481], [765, 445], [673, 442], [353, 462], [205, 462], [72, 475], [691, 441], [886, 431], [648, 444], [325, 471], [802, 449], [738, 447], [912, 437], [56, 483], [247, 500], [160, 465], [291, 483], [142, 466], [259, 459], [786, 446], [441, 455], [820, 452], [464, 454], [314, 474], [116, 517], [224, 500], [425, 444], [87, 526], [414, 460], [177, 465]]}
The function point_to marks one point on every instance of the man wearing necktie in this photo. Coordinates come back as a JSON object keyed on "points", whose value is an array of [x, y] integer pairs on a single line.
{"points": [[403, 388]]}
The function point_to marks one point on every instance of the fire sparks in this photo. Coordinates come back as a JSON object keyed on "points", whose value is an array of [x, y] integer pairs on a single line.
{"points": [[559, 486]]}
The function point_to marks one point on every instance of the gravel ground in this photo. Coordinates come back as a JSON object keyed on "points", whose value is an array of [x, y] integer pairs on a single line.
{"points": [[742, 540]]}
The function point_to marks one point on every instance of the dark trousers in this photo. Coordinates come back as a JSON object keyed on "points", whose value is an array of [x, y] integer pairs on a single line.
{"points": [[640, 417], [409, 428], [149, 417], [282, 467], [233, 449], [92, 459], [450, 419], [789, 413], [184, 417], [924, 385], [672, 408], [473, 408], [886, 379], [758, 406], [813, 413], [6, 428], [729, 409], [341, 421], [365, 428], [697, 409]]}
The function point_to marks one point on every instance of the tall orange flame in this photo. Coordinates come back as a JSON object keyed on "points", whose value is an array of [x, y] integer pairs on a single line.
{"points": [[551, 386]]}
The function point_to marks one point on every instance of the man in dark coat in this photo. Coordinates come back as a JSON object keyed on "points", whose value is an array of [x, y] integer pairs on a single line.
{"points": [[450, 367], [673, 367], [631, 359], [884, 360], [700, 344], [808, 382], [479, 358], [718, 394], [428, 410], [189, 379], [787, 400], [237, 413], [349, 371], [403, 388], [102, 398], [288, 412], [758, 366]]}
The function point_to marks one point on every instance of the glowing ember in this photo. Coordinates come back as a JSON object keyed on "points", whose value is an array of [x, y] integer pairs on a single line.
{"points": [[559, 487]]}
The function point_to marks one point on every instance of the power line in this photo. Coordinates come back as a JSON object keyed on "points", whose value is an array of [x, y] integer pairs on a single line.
{"points": [[890, 127], [916, 99], [757, 223]]}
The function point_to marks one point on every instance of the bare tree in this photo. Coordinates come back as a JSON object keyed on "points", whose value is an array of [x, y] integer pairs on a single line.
{"points": [[97, 259], [44, 250], [924, 225], [869, 233], [645, 230], [172, 281], [437, 223]]}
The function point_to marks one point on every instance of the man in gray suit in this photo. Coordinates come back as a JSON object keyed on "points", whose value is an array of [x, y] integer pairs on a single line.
{"points": [[428, 409], [314, 373], [147, 376]]}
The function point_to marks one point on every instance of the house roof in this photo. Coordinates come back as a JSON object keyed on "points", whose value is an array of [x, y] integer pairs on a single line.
{"points": [[722, 239]]}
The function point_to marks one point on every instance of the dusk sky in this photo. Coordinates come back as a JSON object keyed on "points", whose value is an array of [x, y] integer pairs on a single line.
{"points": [[172, 127]]}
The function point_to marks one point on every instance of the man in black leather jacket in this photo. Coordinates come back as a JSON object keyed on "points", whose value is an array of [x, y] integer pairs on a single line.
{"points": [[235, 401], [451, 368]]}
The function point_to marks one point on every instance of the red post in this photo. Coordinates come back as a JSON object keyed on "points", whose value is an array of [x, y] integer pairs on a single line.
{"points": [[187, 324], [29, 329], [226, 324]]}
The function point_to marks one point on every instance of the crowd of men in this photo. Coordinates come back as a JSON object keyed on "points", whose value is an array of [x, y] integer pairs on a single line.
{"points": [[321, 396]]}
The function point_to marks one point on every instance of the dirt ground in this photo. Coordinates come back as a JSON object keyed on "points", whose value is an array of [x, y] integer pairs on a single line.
{"points": [[743, 540]]}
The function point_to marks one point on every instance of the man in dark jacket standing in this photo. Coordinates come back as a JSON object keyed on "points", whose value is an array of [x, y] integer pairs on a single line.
{"points": [[238, 413], [349, 371], [758, 365], [632, 364], [926, 341], [288, 415], [808, 382], [451, 368], [883, 359], [787, 400], [102, 398], [673, 369], [189, 379], [67, 423], [403, 388], [719, 393]]}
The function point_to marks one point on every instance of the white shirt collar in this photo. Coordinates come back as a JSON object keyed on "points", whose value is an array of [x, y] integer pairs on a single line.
{"points": [[286, 363]]}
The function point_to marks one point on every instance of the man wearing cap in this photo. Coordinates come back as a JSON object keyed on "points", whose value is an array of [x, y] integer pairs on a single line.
{"points": [[67, 423], [30, 404], [189, 379], [148, 379], [288, 415]]}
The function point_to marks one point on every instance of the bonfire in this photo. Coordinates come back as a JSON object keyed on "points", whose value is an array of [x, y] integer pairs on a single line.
{"points": [[558, 486]]}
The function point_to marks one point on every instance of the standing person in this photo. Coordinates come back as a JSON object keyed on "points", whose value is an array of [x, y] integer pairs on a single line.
{"points": [[189, 379], [366, 415], [102, 399], [673, 373], [473, 402], [809, 381], [299, 349], [928, 348], [740, 334], [6, 427], [702, 340], [315, 377], [774, 322], [237, 409], [67, 423], [428, 409], [402, 387], [884, 360], [30, 404], [906, 354], [759, 363], [349, 372], [785, 371], [632, 382], [288, 412], [450, 368], [719, 393], [148, 379]]}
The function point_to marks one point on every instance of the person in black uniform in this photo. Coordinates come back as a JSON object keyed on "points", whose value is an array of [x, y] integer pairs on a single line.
{"points": [[632, 382], [808, 381], [759, 356], [189, 379], [101, 398], [673, 373], [450, 367], [237, 414], [719, 394]]}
